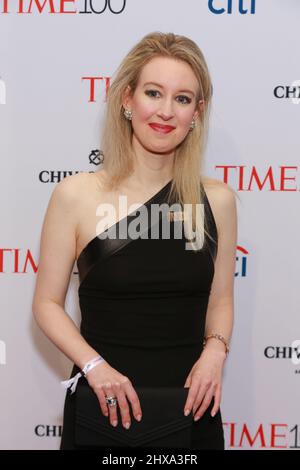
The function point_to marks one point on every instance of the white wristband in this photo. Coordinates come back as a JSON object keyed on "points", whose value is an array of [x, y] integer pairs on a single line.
{"points": [[72, 383]]}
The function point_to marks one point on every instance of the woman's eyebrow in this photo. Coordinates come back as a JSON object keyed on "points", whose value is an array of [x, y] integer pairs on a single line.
{"points": [[160, 86]]}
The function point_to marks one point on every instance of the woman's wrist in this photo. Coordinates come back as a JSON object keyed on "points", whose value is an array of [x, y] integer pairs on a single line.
{"points": [[85, 358], [71, 384], [218, 340], [215, 346]]}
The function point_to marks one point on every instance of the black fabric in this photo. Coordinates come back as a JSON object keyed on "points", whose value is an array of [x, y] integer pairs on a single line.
{"points": [[163, 423], [99, 249], [143, 304]]}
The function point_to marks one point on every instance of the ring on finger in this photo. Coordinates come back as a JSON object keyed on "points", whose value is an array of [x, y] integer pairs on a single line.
{"points": [[111, 401]]}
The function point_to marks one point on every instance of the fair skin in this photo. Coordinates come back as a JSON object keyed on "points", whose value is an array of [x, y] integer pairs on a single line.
{"points": [[70, 223]]}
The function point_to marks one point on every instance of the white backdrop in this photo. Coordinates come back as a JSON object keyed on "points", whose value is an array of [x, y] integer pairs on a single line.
{"points": [[49, 126]]}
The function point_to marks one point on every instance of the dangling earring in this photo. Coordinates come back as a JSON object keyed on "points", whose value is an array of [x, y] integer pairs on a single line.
{"points": [[128, 114], [193, 125]]}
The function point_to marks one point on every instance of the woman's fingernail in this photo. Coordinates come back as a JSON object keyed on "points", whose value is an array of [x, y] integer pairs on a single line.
{"points": [[186, 412], [139, 417], [127, 425], [196, 418], [114, 423], [213, 414]]}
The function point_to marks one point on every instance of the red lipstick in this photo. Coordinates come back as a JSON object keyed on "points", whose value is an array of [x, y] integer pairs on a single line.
{"points": [[161, 127]]}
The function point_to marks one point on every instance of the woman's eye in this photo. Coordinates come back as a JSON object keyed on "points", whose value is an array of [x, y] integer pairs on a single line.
{"points": [[182, 98], [151, 93], [186, 99]]}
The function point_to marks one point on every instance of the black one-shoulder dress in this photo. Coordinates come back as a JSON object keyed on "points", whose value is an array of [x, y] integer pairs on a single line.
{"points": [[143, 303]]}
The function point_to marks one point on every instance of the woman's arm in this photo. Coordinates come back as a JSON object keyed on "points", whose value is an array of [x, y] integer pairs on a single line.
{"points": [[56, 261], [57, 256], [220, 310], [205, 378]]}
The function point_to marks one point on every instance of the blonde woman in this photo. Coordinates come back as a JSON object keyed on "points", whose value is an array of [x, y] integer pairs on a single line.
{"points": [[157, 312]]}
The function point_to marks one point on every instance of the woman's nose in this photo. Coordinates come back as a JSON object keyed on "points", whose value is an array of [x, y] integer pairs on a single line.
{"points": [[166, 109]]}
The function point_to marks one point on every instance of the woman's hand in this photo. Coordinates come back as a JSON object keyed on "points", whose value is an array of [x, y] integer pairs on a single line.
{"points": [[108, 382], [204, 381]]}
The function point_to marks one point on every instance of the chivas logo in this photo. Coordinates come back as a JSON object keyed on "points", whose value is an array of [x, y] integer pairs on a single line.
{"points": [[47, 430], [288, 92]]}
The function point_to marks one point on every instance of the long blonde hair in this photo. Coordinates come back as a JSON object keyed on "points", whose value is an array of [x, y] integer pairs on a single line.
{"points": [[117, 130]]}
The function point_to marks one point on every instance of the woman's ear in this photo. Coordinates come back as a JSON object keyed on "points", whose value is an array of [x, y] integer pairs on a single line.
{"points": [[126, 102], [199, 108], [201, 105]]}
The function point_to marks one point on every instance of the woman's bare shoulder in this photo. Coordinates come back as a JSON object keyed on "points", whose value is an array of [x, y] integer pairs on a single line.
{"points": [[74, 189], [217, 189], [221, 198], [216, 185], [72, 192], [70, 184]]}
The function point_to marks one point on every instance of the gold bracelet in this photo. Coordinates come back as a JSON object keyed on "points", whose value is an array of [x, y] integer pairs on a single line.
{"points": [[217, 336]]}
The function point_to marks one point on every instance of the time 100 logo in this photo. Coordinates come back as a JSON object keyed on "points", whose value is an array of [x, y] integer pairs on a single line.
{"points": [[218, 7], [89, 7]]}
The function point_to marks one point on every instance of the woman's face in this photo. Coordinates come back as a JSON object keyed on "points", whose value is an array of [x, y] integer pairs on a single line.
{"points": [[163, 104]]}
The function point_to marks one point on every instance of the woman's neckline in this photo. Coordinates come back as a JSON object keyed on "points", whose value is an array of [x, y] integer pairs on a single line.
{"points": [[147, 202]]}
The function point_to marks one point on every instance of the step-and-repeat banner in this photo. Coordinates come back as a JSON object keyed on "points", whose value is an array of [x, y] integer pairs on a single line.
{"points": [[56, 61]]}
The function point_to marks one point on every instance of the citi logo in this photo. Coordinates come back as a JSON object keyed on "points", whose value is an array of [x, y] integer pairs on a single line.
{"points": [[241, 262], [2, 91], [2, 353], [62, 7], [243, 7]]}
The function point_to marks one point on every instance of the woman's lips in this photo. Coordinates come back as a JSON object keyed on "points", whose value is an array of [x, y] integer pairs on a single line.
{"points": [[161, 128]]}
